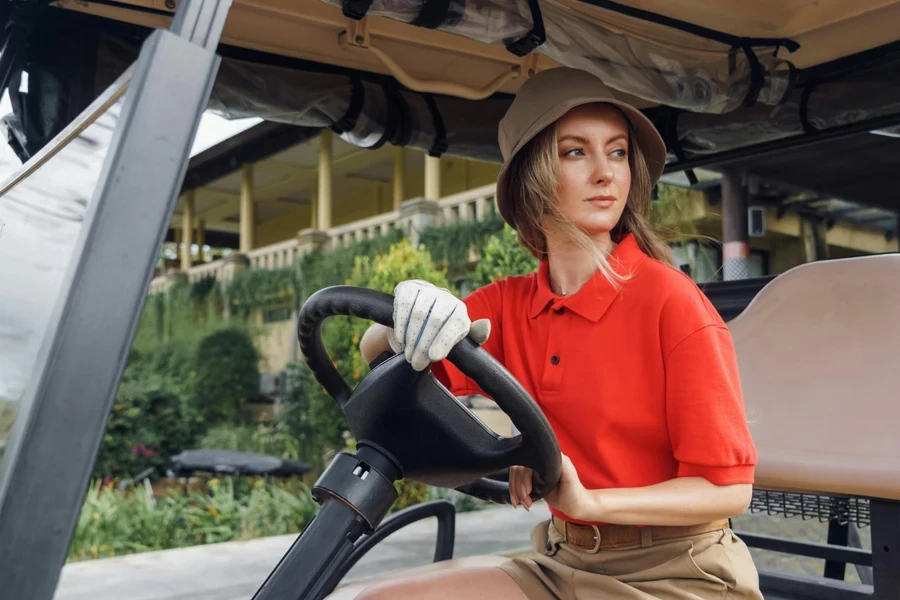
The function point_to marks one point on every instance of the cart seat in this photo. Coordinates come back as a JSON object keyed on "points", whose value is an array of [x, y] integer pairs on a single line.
{"points": [[351, 590], [818, 355]]}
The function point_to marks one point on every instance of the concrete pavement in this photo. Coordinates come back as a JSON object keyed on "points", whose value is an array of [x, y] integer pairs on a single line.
{"points": [[235, 570]]}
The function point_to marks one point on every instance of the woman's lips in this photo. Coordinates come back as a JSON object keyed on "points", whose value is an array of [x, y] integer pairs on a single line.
{"points": [[602, 201]]}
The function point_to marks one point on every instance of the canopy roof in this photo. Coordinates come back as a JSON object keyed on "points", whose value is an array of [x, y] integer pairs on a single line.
{"points": [[762, 87]]}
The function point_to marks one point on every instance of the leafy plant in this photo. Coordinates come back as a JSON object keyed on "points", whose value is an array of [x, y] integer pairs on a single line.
{"points": [[503, 256], [312, 417], [113, 523], [147, 424], [255, 289], [227, 373], [264, 438], [670, 212], [450, 245]]}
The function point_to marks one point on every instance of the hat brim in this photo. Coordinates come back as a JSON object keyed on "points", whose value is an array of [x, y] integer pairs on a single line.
{"points": [[648, 138]]}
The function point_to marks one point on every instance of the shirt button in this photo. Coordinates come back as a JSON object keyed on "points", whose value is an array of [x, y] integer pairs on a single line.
{"points": [[555, 360]]}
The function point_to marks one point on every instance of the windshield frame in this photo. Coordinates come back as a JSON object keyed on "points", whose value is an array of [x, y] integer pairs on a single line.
{"points": [[64, 410]]}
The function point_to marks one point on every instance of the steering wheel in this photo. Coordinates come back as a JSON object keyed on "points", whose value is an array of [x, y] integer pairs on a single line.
{"points": [[431, 435]]}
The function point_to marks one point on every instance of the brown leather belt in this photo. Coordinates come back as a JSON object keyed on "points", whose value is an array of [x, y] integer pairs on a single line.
{"points": [[594, 538]]}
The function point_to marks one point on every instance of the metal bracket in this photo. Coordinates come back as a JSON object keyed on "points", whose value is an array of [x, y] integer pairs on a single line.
{"points": [[356, 35]]}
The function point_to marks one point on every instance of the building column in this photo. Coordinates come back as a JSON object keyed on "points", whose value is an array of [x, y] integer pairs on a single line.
{"points": [[323, 201], [187, 230], [179, 232], [813, 232], [399, 176], [201, 237], [248, 216], [417, 215], [735, 233], [314, 208], [432, 178]]}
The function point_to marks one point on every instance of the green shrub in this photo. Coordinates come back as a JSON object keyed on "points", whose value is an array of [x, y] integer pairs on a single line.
{"points": [[312, 417], [503, 256], [226, 373], [449, 245], [113, 523], [264, 438], [148, 423], [411, 492]]}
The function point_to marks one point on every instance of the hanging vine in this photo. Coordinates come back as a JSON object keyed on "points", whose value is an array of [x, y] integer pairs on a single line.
{"points": [[450, 245]]}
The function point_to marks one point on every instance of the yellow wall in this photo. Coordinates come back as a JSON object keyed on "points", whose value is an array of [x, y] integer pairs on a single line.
{"points": [[282, 228], [274, 342]]}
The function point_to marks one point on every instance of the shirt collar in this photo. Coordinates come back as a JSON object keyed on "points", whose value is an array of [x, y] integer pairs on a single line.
{"points": [[595, 296]]}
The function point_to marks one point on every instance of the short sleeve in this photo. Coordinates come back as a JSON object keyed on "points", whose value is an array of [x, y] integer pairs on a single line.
{"points": [[483, 303], [705, 411]]}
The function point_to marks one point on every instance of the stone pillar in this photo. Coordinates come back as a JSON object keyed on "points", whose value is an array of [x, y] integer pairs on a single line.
{"points": [[416, 215], [248, 216], [311, 239], [432, 178], [232, 264], [314, 208], [178, 235], [326, 157], [735, 233], [187, 230], [399, 176], [813, 232], [201, 237]]}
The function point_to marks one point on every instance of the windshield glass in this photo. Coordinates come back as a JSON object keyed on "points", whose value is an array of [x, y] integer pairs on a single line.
{"points": [[42, 209]]}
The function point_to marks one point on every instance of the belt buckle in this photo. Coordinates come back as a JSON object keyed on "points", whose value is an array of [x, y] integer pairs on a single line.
{"points": [[596, 548]]}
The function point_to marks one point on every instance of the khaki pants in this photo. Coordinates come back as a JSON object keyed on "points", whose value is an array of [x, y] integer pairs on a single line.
{"points": [[711, 565]]}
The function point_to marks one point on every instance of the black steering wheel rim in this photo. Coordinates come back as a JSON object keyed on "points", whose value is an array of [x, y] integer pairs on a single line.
{"points": [[537, 436]]}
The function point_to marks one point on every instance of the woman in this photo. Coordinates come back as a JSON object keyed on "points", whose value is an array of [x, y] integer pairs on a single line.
{"points": [[632, 366]]}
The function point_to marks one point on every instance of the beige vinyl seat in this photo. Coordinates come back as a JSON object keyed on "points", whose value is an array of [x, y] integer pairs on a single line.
{"points": [[818, 356]]}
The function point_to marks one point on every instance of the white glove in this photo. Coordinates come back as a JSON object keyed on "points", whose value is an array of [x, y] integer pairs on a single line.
{"points": [[429, 321]]}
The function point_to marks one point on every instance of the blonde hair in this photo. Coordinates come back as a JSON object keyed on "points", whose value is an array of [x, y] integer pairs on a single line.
{"points": [[533, 182]]}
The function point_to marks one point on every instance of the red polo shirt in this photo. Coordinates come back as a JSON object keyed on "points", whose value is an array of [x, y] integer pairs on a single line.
{"points": [[639, 383]]}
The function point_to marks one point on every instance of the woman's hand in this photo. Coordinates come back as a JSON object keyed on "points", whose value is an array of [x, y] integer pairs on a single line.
{"points": [[428, 322], [569, 496], [520, 486]]}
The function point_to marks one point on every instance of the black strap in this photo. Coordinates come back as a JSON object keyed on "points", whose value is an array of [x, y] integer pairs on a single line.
{"points": [[757, 76], [355, 9], [534, 38], [390, 120], [431, 14], [793, 77], [670, 135], [357, 100], [400, 115], [692, 28], [804, 109], [440, 144]]}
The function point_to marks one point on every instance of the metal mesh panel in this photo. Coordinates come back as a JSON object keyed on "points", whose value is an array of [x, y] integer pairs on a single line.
{"points": [[812, 506], [736, 268]]}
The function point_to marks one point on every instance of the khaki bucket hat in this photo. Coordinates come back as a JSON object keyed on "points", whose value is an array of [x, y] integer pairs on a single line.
{"points": [[548, 96]]}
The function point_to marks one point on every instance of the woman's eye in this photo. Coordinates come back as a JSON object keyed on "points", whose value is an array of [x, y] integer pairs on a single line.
{"points": [[574, 152], [620, 153]]}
